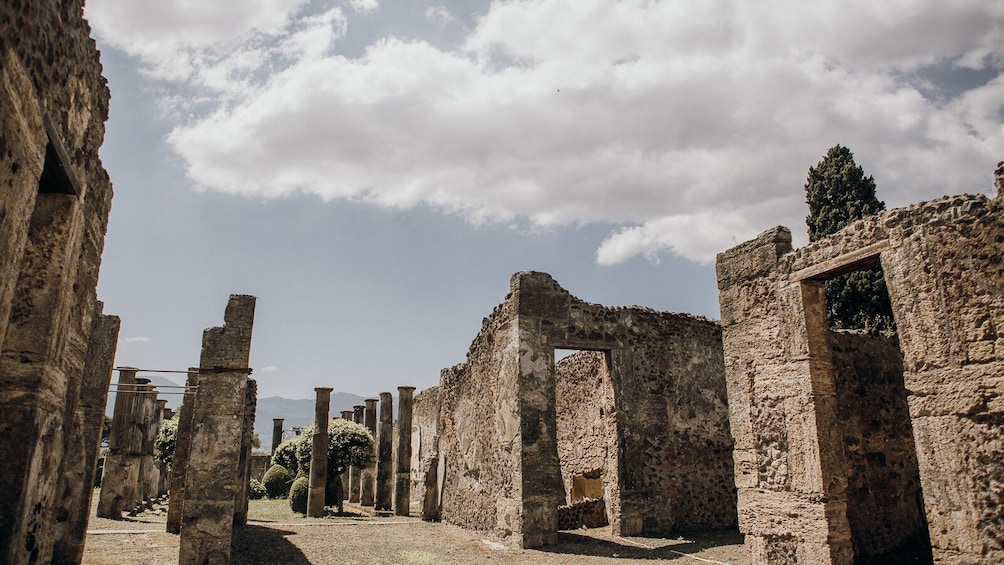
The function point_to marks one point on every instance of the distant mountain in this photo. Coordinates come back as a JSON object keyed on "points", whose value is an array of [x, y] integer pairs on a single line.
{"points": [[297, 413]]}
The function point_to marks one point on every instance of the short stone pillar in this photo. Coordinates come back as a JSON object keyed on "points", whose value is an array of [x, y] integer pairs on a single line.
{"points": [[355, 472], [276, 433], [182, 448], [385, 453], [77, 482], [999, 179], [319, 454], [402, 484], [347, 415], [212, 481], [366, 485], [116, 494]]}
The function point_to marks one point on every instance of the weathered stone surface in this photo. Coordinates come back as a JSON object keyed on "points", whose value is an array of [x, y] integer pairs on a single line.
{"points": [[402, 458], [51, 94], [276, 433], [810, 451], [385, 454], [245, 464], [319, 453], [355, 473], [121, 471], [667, 459], [367, 481], [214, 466], [83, 445], [182, 450]]}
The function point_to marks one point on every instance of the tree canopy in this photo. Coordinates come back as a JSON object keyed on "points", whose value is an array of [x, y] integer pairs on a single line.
{"points": [[838, 193], [349, 444]]}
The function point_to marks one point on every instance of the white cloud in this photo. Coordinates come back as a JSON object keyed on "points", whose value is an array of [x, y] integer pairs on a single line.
{"points": [[269, 369], [364, 6], [440, 15], [691, 125], [137, 339]]}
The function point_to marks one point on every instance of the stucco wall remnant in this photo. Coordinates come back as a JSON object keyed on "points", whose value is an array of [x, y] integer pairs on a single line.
{"points": [[944, 267], [55, 197], [498, 427]]}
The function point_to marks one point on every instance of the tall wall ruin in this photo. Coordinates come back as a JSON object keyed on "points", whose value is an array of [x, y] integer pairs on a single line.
{"points": [[55, 198], [217, 477], [498, 423], [795, 468]]}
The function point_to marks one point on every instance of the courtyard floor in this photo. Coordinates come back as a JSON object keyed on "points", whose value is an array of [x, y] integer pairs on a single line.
{"points": [[276, 535]]}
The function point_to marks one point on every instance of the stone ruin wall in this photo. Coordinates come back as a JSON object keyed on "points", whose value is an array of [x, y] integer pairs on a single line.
{"points": [[498, 422], [884, 505], [479, 433], [424, 451], [665, 411], [51, 94], [943, 263], [587, 427]]}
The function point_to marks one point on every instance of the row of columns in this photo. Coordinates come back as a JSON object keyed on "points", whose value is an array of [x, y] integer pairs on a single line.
{"points": [[384, 483], [131, 477]]}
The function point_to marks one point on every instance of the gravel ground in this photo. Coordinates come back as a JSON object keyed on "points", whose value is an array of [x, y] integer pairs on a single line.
{"points": [[276, 535]]}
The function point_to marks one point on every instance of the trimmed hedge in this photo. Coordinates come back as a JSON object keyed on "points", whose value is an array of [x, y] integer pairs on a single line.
{"points": [[277, 481], [298, 495]]}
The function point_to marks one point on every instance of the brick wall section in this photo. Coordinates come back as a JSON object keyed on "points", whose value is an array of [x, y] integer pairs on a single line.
{"points": [[945, 274], [498, 421], [50, 252]]}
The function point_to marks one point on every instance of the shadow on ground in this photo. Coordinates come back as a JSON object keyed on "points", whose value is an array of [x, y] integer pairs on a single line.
{"points": [[574, 543], [258, 545]]}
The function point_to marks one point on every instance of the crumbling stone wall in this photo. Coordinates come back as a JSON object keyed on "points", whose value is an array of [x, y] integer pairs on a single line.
{"points": [[945, 274], [587, 428], [884, 505], [498, 423], [424, 453], [54, 203]]}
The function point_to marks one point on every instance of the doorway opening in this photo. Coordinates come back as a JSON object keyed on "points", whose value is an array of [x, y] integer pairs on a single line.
{"points": [[586, 438], [885, 509]]}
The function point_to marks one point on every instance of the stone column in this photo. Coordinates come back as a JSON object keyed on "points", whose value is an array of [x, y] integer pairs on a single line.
{"points": [[999, 179], [77, 484], [366, 485], [114, 498], [247, 438], [153, 491], [140, 442], [355, 472], [182, 449], [319, 454], [276, 433], [402, 485], [211, 484], [385, 453], [346, 476]]}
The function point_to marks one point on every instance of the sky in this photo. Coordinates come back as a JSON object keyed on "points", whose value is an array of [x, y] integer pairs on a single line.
{"points": [[374, 171]]}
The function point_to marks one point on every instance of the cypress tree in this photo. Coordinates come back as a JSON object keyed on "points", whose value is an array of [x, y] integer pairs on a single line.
{"points": [[838, 193]]}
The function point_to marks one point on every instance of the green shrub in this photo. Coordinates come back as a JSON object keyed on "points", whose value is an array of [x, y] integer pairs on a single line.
{"points": [[285, 454], [277, 481], [167, 440], [257, 490], [298, 495]]}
